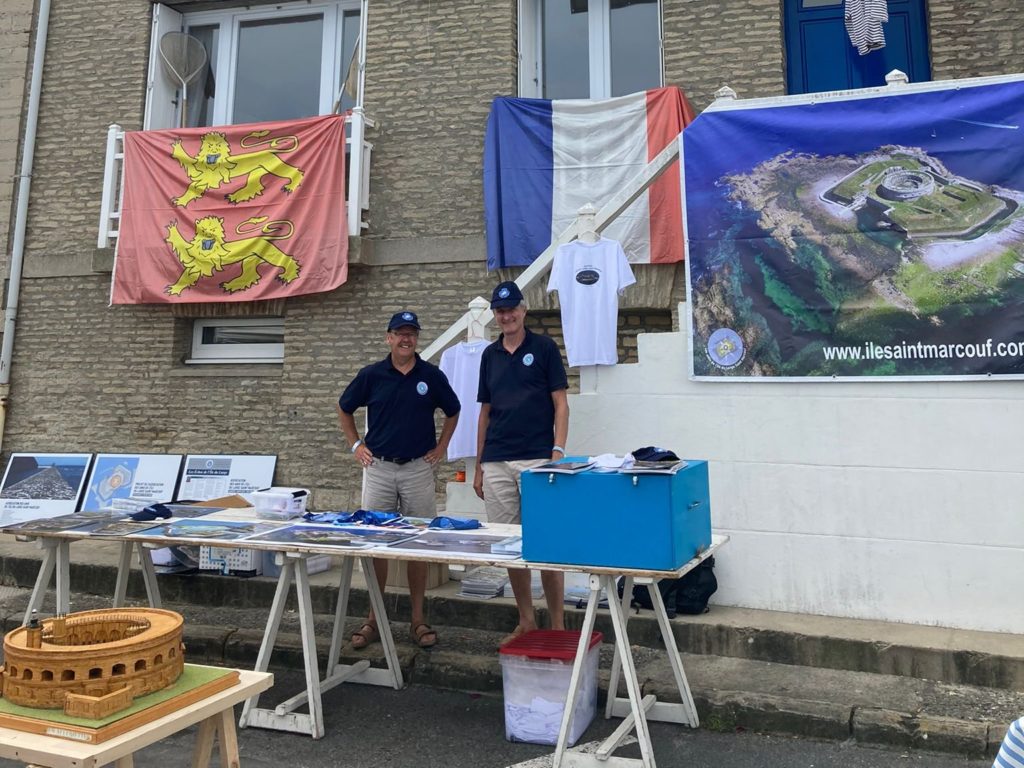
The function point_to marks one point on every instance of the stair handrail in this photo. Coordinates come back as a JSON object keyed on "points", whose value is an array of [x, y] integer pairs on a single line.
{"points": [[626, 196]]}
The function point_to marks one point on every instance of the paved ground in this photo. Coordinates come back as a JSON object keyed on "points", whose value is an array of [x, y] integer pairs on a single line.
{"points": [[369, 727]]}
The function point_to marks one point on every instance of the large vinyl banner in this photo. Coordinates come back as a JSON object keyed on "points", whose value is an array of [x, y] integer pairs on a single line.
{"points": [[864, 235]]}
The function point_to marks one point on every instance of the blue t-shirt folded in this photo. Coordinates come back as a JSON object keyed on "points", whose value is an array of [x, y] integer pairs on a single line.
{"points": [[455, 523]]}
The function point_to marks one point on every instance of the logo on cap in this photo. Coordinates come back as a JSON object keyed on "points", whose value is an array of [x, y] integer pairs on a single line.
{"points": [[503, 293], [528, 358], [421, 387], [407, 315]]}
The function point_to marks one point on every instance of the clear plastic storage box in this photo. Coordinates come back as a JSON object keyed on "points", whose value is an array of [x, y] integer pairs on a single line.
{"points": [[536, 669]]}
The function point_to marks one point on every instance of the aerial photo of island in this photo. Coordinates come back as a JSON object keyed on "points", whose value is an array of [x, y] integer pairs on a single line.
{"points": [[825, 248]]}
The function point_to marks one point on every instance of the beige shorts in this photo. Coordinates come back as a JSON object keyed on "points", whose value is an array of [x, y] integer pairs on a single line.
{"points": [[406, 488], [503, 488]]}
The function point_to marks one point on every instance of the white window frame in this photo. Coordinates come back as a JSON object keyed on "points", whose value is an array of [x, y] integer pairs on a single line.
{"points": [[163, 99], [204, 354], [531, 49]]}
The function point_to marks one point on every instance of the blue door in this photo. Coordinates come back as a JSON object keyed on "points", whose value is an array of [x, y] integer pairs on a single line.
{"points": [[820, 56]]}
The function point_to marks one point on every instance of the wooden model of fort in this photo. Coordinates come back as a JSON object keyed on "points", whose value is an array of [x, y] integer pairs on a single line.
{"points": [[92, 664]]}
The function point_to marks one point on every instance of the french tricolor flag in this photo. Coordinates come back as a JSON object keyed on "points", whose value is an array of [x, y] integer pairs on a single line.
{"points": [[544, 159]]}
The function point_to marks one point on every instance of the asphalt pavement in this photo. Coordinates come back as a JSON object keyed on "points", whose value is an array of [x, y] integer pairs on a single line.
{"points": [[421, 727]]}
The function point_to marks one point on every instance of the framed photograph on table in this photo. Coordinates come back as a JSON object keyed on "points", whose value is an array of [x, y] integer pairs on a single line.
{"points": [[38, 485], [213, 476], [120, 478]]}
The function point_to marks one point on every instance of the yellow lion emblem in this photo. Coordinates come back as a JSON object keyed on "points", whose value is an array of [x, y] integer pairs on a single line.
{"points": [[210, 252], [214, 165]]}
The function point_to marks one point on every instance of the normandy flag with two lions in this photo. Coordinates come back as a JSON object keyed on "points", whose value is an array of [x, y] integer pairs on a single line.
{"points": [[234, 213]]}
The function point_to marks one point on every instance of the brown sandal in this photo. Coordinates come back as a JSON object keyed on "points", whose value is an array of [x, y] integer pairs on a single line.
{"points": [[423, 635], [365, 635]]}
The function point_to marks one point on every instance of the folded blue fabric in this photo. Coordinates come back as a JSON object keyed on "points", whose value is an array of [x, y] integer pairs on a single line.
{"points": [[322, 517], [360, 516], [455, 523], [152, 512]]}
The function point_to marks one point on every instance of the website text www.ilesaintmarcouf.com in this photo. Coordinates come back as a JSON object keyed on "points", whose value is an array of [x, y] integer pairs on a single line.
{"points": [[921, 351]]}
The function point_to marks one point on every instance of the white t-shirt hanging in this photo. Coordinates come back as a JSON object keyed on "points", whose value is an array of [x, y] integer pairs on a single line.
{"points": [[461, 364], [589, 278]]}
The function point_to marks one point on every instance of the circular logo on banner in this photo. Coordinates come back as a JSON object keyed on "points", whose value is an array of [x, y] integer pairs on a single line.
{"points": [[407, 316], [422, 387], [528, 358], [725, 348], [503, 293], [587, 276]]}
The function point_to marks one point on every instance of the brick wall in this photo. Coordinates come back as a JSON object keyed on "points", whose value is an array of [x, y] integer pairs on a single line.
{"points": [[730, 42], [432, 71], [974, 39], [90, 378], [94, 75], [15, 41]]}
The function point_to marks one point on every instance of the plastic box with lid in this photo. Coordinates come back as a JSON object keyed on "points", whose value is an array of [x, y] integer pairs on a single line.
{"points": [[536, 669]]}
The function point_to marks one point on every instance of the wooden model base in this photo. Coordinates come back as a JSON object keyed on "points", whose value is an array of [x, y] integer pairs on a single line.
{"points": [[196, 684]]}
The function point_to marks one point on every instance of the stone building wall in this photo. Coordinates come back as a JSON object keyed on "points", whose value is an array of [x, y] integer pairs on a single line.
{"points": [[15, 45], [87, 377]]}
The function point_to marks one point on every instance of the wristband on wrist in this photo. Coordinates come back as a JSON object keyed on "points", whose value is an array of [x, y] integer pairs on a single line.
{"points": [[558, 448], [355, 445]]}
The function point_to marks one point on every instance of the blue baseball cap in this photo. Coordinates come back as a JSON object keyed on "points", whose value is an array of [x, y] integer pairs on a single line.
{"points": [[403, 318], [506, 294]]}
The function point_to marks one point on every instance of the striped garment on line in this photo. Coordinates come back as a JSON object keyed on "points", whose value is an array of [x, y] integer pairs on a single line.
{"points": [[864, 19]]}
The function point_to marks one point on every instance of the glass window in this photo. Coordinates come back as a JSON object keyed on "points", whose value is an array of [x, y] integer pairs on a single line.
{"points": [[238, 340], [580, 49], [271, 62], [566, 48], [278, 87], [635, 46]]}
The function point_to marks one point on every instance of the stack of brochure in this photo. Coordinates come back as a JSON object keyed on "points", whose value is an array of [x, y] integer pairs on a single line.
{"points": [[484, 583], [564, 467], [513, 545]]}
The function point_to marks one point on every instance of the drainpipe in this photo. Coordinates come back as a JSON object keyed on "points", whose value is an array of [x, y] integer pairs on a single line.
{"points": [[21, 214]]}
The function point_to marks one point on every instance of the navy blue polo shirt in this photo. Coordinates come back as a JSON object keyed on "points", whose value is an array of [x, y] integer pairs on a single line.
{"points": [[400, 407], [518, 388]]}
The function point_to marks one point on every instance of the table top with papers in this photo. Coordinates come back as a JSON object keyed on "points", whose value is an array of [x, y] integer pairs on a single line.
{"points": [[242, 528]]}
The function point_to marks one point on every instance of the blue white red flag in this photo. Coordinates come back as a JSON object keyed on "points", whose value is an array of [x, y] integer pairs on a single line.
{"points": [[544, 159]]}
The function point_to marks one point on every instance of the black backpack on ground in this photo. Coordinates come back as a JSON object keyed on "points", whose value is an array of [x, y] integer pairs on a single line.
{"points": [[688, 594]]}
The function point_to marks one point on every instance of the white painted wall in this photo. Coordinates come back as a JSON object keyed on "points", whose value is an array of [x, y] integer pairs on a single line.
{"points": [[897, 501]]}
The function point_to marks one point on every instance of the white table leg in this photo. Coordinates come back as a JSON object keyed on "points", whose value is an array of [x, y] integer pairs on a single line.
{"points": [[63, 576], [340, 614], [613, 679], [383, 625], [46, 568], [124, 565], [308, 630], [284, 581], [643, 735], [149, 575], [689, 709], [589, 617]]}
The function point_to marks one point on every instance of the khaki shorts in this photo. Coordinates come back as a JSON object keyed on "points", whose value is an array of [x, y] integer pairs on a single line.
{"points": [[503, 488], [405, 488]]}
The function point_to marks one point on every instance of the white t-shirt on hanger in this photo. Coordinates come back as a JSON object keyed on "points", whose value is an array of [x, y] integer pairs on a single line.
{"points": [[461, 364], [589, 278]]}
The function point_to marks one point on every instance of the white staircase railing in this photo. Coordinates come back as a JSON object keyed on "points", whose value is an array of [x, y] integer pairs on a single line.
{"points": [[540, 266], [358, 179]]}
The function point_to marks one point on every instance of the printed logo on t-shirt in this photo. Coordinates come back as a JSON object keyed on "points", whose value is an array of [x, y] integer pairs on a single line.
{"points": [[588, 275], [422, 387], [528, 358]]}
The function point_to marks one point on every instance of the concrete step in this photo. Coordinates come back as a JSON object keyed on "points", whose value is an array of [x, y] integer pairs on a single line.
{"points": [[730, 692], [958, 657]]}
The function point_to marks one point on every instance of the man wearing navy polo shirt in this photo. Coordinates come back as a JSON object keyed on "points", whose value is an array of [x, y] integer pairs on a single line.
{"points": [[400, 449], [524, 421]]}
